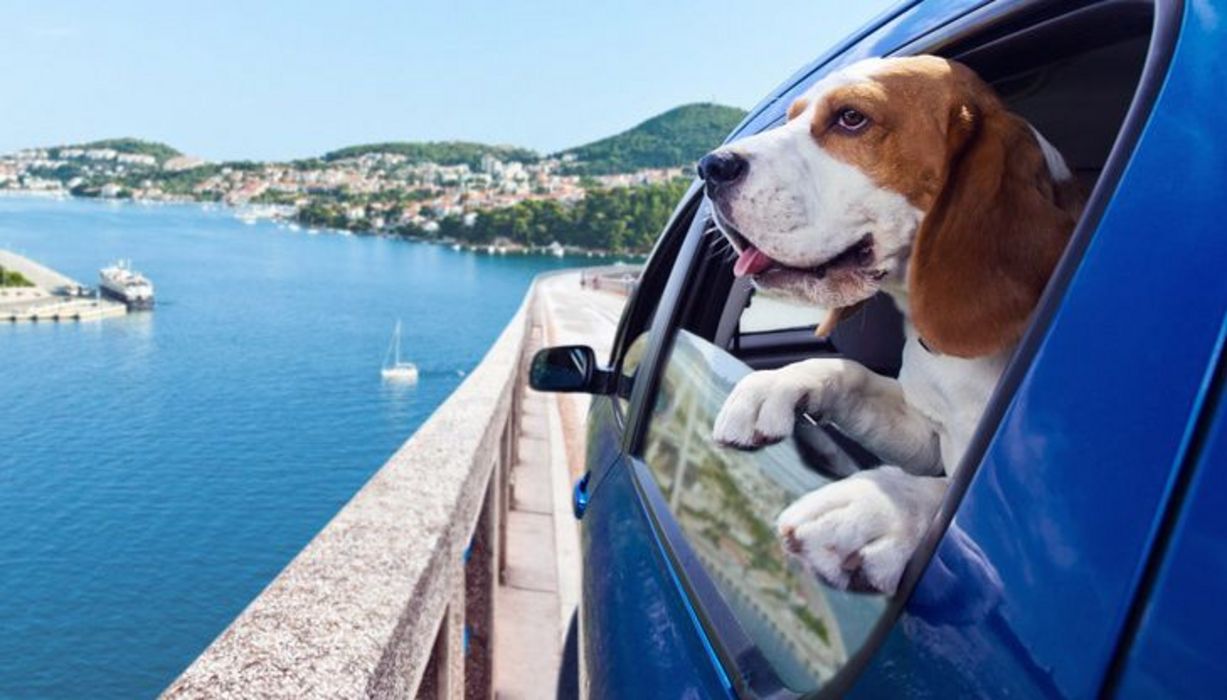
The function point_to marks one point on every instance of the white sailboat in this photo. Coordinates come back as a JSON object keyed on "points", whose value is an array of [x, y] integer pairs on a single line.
{"points": [[396, 370]]}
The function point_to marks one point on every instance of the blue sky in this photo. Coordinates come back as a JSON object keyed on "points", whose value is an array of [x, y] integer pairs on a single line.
{"points": [[266, 79]]}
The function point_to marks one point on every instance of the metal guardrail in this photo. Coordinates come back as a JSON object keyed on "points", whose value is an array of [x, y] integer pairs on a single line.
{"points": [[394, 597]]}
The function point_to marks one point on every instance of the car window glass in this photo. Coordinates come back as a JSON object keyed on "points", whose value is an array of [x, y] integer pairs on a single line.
{"points": [[726, 502]]}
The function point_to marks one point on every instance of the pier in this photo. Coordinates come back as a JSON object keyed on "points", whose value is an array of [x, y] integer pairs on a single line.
{"points": [[54, 296], [455, 571]]}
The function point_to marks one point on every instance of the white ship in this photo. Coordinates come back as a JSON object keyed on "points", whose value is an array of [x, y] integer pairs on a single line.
{"points": [[394, 368], [251, 213], [120, 281]]}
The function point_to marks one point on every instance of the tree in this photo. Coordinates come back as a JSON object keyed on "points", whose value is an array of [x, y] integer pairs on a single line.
{"points": [[623, 219]]}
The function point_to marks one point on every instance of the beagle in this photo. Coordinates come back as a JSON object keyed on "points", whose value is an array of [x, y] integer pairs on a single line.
{"points": [[907, 176]]}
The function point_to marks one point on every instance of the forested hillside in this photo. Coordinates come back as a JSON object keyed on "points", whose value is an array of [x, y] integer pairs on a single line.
{"points": [[678, 137]]}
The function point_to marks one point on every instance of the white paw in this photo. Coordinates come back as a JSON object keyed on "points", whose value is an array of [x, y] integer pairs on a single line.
{"points": [[860, 532], [762, 408]]}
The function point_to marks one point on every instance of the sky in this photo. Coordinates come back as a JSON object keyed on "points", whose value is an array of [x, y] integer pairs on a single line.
{"points": [[274, 79]]}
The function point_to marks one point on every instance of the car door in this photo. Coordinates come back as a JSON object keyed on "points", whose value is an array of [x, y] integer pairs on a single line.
{"points": [[1177, 629], [636, 631], [1076, 475]]}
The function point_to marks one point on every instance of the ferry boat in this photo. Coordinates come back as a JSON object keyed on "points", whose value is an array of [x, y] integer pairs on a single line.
{"points": [[121, 282]]}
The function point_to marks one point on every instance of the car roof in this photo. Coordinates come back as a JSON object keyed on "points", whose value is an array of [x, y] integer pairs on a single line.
{"points": [[893, 28]]}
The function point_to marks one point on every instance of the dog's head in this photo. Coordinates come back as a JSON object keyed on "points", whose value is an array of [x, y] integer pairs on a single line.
{"points": [[907, 172]]}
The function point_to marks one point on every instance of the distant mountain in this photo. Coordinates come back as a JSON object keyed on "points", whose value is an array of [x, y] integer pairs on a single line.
{"points": [[441, 152], [131, 146], [675, 138]]}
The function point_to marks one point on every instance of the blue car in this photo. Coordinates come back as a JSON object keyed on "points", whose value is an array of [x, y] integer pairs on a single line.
{"points": [[1081, 550]]}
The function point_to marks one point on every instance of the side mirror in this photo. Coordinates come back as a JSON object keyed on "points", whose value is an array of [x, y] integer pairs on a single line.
{"points": [[570, 369]]}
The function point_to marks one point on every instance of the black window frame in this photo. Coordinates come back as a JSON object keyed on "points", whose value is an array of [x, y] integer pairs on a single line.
{"points": [[641, 309], [991, 23], [687, 228]]}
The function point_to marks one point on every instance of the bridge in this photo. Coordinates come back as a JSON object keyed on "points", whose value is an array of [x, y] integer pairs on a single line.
{"points": [[454, 571]]}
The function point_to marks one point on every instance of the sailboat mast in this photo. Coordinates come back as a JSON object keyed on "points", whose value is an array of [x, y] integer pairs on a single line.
{"points": [[397, 342], [398, 370]]}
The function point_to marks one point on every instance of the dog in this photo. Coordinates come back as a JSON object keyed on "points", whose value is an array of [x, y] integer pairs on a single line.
{"points": [[907, 176]]}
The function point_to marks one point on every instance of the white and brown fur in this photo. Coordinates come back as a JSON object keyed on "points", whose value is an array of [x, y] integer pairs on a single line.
{"points": [[969, 209]]}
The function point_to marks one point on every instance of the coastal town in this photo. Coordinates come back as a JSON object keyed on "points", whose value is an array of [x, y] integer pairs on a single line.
{"points": [[608, 196], [374, 191]]}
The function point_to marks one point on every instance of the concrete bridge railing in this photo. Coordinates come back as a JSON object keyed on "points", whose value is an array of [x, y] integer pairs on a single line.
{"points": [[394, 597]]}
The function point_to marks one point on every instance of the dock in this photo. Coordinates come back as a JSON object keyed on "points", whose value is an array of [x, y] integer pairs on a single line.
{"points": [[54, 296]]}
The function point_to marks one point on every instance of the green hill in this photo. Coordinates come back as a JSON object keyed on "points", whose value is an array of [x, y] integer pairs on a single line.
{"points": [[441, 152], [127, 145], [675, 138]]}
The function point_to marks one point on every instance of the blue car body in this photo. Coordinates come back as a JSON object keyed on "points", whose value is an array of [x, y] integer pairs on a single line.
{"points": [[1099, 495]]}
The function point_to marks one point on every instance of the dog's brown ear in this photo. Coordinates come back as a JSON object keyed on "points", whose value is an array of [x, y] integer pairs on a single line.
{"points": [[986, 249]]}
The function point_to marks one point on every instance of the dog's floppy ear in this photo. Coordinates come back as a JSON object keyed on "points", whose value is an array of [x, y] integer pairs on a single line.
{"points": [[986, 249]]}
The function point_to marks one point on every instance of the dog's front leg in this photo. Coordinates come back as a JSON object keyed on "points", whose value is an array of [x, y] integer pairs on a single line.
{"points": [[867, 407], [861, 531]]}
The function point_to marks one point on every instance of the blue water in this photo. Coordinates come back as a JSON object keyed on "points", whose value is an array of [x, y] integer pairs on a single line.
{"points": [[158, 470]]}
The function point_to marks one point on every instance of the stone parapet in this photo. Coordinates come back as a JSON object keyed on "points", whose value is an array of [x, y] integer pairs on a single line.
{"points": [[378, 603]]}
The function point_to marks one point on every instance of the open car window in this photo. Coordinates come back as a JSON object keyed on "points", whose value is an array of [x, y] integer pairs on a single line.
{"points": [[764, 314]]}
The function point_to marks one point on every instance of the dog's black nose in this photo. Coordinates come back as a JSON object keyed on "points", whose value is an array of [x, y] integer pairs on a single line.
{"points": [[721, 167]]}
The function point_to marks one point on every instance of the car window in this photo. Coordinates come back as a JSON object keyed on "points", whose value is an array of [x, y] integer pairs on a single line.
{"points": [[764, 313], [726, 502]]}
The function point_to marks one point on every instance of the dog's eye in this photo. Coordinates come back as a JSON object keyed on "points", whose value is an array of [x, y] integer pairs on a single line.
{"points": [[851, 120]]}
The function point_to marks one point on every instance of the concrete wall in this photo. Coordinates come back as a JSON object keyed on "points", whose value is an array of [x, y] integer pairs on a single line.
{"points": [[377, 603], [619, 279]]}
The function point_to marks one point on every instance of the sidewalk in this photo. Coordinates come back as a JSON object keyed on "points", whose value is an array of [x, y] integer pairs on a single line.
{"points": [[541, 581]]}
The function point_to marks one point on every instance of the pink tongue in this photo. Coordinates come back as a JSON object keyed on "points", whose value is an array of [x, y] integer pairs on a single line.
{"points": [[751, 262]]}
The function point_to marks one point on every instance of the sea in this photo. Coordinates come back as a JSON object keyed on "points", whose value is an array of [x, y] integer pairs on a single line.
{"points": [[158, 470]]}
